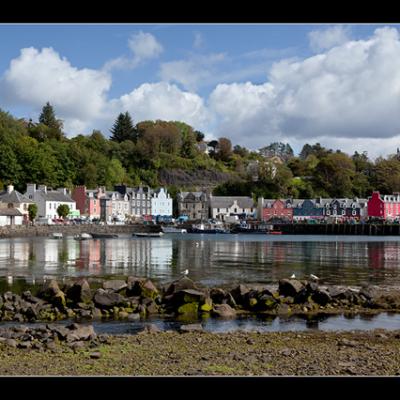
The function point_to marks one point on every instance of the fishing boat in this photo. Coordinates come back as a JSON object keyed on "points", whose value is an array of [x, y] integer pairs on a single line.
{"points": [[202, 229], [150, 235], [249, 230], [103, 235], [83, 236], [172, 229], [56, 235]]}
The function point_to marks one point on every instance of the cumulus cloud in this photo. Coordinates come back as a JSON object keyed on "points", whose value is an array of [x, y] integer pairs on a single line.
{"points": [[38, 76], [144, 47], [327, 38], [152, 101], [350, 91]]}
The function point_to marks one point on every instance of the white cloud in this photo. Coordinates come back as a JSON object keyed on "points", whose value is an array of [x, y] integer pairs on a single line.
{"points": [[144, 47], [163, 101], [348, 94], [38, 76], [193, 72], [327, 38]]}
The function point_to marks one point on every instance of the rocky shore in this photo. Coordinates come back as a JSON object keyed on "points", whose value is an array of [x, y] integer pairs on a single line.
{"points": [[152, 353], [135, 298]]}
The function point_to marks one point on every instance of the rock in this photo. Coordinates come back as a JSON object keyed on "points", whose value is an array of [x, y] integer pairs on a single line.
{"points": [[95, 355], [283, 309], [183, 283], [218, 295], [239, 293], [27, 295], [8, 296], [11, 342], [80, 292], [151, 328], [24, 345], [250, 341], [134, 286], [223, 311], [59, 330], [77, 345], [290, 287], [123, 315], [134, 317], [207, 305], [152, 308], [18, 317], [96, 313], [82, 332], [191, 328], [189, 308], [347, 342], [104, 299], [116, 285], [321, 297], [312, 287], [266, 302]]}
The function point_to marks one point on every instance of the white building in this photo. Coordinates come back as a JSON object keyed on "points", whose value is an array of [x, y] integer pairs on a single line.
{"points": [[222, 207], [161, 203], [10, 217], [14, 199], [48, 200], [115, 206]]}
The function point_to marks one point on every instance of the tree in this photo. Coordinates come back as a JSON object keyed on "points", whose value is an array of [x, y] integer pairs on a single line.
{"points": [[54, 125], [123, 128], [199, 136], [277, 149], [224, 149], [32, 211], [62, 210]]}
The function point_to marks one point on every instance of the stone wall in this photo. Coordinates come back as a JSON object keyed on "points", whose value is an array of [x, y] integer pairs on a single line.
{"points": [[45, 230]]}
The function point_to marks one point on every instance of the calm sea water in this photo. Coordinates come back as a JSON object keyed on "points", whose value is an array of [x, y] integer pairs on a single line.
{"points": [[211, 259]]}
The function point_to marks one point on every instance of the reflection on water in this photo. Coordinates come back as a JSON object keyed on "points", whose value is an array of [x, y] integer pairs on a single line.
{"points": [[211, 259], [249, 324]]}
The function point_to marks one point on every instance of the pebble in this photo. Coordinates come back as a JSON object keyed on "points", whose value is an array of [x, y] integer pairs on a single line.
{"points": [[95, 355]]}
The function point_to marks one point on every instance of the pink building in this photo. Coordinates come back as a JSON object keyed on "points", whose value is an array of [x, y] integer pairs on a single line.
{"points": [[88, 201], [270, 209], [384, 206]]}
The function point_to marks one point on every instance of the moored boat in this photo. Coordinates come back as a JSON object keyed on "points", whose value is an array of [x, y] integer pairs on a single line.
{"points": [[56, 235], [103, 235], [150, 234], [172, 229], [83, 236]]}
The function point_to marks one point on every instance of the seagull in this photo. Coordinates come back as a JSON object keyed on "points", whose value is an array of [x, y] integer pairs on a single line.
{"points": [[197, 244], [314, 277], [185, 272], [293, 276]]}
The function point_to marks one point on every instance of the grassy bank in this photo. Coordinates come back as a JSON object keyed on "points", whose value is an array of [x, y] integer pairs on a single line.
{"points": [[369, 353]]}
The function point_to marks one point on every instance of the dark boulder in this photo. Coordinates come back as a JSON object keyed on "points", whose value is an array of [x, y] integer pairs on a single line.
{"points": [[266, 302], [104, 299], [239, 294], [52, 293], [79, 292], [183, 283], [312, 287], [218, 295], [133, 286], [290, 287], [321, 297]]}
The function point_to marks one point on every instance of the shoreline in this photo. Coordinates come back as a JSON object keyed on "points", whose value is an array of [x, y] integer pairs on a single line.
{"points": [[372, 353]]}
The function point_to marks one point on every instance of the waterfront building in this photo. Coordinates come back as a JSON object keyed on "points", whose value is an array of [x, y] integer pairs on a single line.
{"points": [[307, 209], [161, 204], [140, 200], [12, 199], [384, 206], [271, 210], [114, 206], [11, 217], [222, 207], [48, 200], [343, 209], [88, 201], [194, 205]]}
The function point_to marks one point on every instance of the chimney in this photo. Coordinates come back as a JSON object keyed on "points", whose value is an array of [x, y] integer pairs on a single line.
{"points": [[43, 188], [62, 190], [30, 189], [10, 188]]}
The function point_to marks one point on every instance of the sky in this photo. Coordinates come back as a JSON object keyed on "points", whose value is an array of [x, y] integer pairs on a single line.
{"points": [[255, 84]]}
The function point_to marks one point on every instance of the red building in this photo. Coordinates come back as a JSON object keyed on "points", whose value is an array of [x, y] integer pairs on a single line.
{"points": [[88, 201], [275, 209], [384, 206]]}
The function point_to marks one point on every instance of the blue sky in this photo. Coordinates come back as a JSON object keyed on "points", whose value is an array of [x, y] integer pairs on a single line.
{"points": [[253, 83]]}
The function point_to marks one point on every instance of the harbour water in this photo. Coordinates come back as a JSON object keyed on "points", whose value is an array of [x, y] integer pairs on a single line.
{"points": [[212, 260]]}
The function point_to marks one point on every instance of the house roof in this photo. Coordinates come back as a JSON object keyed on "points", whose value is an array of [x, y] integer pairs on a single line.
{"points": [[14, 197], [197, 195], [10, 212], [54, 195], [228, 201]]}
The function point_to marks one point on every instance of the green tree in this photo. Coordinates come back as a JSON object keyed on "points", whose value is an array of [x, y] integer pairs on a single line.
{"points": [[54, 125], [32, 211], [63, 210], [123, 128]]}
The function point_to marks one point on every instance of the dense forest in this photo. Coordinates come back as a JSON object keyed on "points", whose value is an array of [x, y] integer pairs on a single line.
{"points": [[173, 153]]}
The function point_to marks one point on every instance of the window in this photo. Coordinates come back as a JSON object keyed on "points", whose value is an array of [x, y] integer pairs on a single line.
{"points": [[235, 210], [49, 206], [343, 212], [354, 212], [328, 212], [217, 209]]}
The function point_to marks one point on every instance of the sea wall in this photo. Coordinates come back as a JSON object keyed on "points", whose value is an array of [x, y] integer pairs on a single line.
{"points": [[339, 229], [45, 230]]}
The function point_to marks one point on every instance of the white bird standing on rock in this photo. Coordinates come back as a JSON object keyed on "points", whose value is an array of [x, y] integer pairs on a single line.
{"points": [[314, 277], [293, 276], [185, 272]]}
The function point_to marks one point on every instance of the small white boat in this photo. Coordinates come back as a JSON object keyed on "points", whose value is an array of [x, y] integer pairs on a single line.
{"points": [[152, 234], [82, 236], [56, 235], [172, 229]]}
